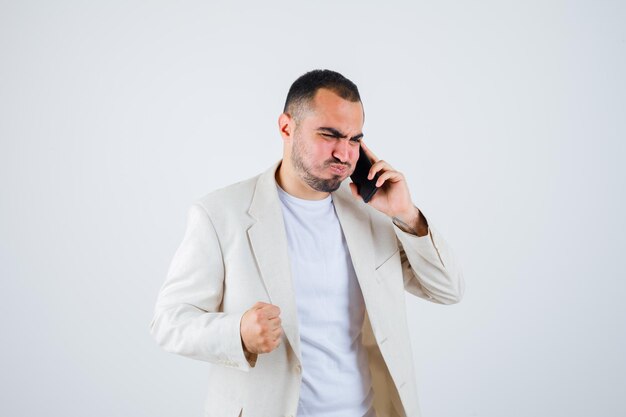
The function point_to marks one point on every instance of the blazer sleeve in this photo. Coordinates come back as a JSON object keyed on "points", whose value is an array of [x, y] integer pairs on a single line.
{"points": [[429, 268], [187, 318]]}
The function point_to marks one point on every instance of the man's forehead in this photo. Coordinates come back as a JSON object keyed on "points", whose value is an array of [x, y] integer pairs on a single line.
{"points": [[330, 107], [329, 118]]}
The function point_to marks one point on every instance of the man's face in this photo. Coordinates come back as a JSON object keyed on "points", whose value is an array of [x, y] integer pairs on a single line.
{"points": [[326, 141]]}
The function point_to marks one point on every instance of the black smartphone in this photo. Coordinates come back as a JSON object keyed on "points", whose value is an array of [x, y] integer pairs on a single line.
{"points": [[366, 188]]}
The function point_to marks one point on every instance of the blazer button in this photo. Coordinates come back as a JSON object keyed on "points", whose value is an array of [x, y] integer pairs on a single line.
{"points": [[298, 370]]}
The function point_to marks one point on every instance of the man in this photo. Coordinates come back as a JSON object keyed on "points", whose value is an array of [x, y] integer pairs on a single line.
{"points": [[292, 288]]}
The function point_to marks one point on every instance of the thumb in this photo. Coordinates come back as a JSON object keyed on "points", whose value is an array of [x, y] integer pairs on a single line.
{"points": [[258, 305]]}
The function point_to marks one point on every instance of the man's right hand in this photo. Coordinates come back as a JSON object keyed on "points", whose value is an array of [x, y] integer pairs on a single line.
{"points": [[260, 328]]}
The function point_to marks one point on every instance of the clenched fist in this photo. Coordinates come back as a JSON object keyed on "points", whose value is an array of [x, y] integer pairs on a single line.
{"points": [[260, 328]]}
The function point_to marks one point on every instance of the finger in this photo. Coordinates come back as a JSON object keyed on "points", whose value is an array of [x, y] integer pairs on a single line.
{"points": [[378, 166], [277, 333], [373, 158], [271, 311], [393, 176], [275, 344], [258, 305], [275, 323]]}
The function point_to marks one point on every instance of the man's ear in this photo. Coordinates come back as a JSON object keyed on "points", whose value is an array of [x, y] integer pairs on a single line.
{"points": [[286, 126]]}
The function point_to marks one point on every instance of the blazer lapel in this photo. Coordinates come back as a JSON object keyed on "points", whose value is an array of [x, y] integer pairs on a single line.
{"points": [[355, 223], [268, 240]]}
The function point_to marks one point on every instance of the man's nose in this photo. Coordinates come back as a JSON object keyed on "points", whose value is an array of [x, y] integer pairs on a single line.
{"points": [[342, 151]]}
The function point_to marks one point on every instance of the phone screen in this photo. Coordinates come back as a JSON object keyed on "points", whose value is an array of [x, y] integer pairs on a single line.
{"points": [[366, 188]]}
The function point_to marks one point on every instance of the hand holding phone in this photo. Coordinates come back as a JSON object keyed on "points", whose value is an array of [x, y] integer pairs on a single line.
{"points": [[366, 187]]}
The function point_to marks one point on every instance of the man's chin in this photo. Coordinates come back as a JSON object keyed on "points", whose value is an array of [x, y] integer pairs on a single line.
{"points": [[326, 185]]}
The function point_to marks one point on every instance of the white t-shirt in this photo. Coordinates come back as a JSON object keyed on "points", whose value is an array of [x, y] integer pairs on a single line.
{"points": [[336, 379]]}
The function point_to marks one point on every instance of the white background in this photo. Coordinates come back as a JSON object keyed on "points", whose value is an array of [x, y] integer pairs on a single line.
{"points": [[508, 119]]}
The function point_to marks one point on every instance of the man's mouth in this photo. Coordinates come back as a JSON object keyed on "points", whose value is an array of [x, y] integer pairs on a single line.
{"points": [[338, 169]]}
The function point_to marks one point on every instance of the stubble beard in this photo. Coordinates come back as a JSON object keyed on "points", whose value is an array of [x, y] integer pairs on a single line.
{"points": [[327, 185]]}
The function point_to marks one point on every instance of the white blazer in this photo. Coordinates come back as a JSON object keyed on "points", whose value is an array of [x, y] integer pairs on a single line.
{"points": [[234, 253]]}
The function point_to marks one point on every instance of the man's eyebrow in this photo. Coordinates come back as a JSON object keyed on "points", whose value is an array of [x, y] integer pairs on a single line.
{"points": [[338, 134]]}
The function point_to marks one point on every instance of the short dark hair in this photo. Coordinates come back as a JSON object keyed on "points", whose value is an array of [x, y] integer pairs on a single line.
{"points": [[304, 88]]}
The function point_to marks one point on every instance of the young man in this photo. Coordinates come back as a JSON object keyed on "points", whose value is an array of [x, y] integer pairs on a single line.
{"points": [[292, 288]]}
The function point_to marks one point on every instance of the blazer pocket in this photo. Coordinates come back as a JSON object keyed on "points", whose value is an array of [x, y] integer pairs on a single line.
{"points": [[389, 258], [390, 267]]}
